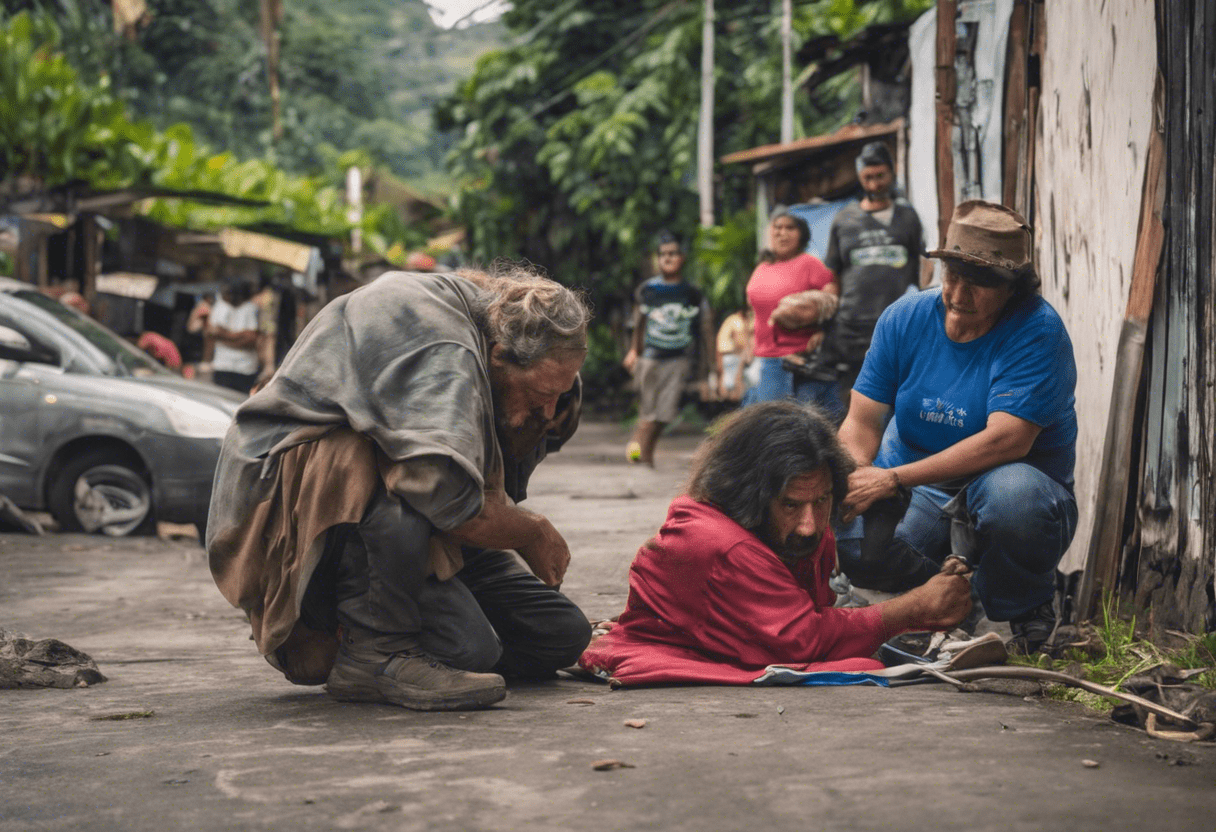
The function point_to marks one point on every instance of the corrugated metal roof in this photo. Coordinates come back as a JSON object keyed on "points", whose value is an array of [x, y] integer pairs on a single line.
{"points": [[848, 134]]}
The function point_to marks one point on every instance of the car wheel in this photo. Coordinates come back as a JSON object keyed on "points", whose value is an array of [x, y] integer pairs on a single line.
{"points": [[101, 492]]}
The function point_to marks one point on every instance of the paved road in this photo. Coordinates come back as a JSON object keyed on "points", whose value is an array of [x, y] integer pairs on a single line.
{"points": [[230, 745]]}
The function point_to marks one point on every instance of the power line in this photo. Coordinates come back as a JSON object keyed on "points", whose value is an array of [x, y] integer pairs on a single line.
{"points": [[592, 65]]}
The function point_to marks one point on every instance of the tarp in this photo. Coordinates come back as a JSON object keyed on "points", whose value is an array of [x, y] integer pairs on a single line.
{"points": [[819, 216], [237, 243]]}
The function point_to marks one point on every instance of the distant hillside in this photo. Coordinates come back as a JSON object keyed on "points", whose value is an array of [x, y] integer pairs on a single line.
{"points": [[354, 74]]}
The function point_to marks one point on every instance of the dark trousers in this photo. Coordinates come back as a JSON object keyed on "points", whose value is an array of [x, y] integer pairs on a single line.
{"points": [[240, 382], [1013, 522], [492, 615]]}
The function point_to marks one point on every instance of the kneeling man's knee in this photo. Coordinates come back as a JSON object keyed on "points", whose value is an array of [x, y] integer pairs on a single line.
{"points": [[571, 635], [478, 653]]}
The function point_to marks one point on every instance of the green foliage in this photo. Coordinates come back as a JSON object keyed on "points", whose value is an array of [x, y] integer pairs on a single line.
{"points": [[353, 73], [51, 125], [577, 143], [56, 128], [723, 257], [1117, 653]]}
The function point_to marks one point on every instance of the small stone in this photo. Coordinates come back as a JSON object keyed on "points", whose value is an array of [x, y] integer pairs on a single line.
{"points": [[635, 723], [1090, 763], [780, 710], [609, 765]]}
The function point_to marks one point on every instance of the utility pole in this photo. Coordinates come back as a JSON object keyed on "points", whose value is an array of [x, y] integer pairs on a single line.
{"points": [[787, 83], [354, 207], [271, 12], [705, 131]]}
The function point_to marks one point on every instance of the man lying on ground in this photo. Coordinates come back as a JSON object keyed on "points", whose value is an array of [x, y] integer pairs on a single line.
{"points": [[737, 577]]}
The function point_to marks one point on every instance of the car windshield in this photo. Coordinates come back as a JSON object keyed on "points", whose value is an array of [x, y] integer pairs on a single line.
{"points": [[126, 359]]}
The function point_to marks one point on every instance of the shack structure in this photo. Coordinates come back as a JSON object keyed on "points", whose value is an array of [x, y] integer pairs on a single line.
{"points": [[1108, 152], [1095, 120]]}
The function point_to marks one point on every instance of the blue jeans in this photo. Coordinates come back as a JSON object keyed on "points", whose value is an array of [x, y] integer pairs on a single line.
{"points": [[1021, 521], [777, 383]]}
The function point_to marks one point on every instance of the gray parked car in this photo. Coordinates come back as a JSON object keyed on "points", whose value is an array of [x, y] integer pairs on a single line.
{"points": [[94, 430]]}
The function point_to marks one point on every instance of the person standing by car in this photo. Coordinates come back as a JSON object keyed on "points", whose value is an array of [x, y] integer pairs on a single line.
{"points": [[233, 325]]}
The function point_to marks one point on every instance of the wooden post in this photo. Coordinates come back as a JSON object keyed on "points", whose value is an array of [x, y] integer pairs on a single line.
{"points": [[787, 84], [1106, 542], [1024, 199], [705, 131], [92, 257], [947, 11], [271, 16], [25, 253], [1015, 103], [44, 273]]}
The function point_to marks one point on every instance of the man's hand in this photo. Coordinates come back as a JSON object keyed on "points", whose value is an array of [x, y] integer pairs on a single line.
{"points": [[955, 565], [630, 360], [500, 525], [944, 601], [867, 486], [548, 556], [939, 604]]}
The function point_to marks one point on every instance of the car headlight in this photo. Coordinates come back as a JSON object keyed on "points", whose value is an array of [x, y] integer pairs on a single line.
{"points": [[196, 419]]}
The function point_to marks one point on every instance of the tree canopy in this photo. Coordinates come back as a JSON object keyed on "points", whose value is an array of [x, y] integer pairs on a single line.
{"points": [[56, 128], [355, 74], [577, 142]]}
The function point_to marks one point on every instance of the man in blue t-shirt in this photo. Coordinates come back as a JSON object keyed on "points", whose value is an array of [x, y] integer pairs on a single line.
{"points": [[673, 336], [975, 467]]}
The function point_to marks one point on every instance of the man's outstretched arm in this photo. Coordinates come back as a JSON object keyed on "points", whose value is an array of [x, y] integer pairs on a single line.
{"points": [[500, 525]]}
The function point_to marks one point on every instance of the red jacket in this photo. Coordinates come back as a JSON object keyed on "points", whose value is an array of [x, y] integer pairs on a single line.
{"points": [[709, 602]]}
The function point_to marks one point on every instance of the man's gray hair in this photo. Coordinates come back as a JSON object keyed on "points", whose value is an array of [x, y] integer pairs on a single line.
{"points": [[529, 315]]}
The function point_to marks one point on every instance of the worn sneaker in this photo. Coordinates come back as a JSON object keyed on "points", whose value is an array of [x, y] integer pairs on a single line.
{"points": [[412, 679], [1032, 629]]}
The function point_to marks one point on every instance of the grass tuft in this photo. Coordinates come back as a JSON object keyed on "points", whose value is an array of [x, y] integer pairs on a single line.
{"points": [[1114, 653]]}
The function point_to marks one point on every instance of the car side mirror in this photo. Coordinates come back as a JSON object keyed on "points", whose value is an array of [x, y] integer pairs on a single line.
{"points": [[16, 347]]}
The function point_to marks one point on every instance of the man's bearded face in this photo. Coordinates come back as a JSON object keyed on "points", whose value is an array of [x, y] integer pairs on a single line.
{"points": [[799, 515], [525, 398]]}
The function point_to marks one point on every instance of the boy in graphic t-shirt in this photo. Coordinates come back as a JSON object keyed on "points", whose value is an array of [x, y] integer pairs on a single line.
{"points": [[673, 336]]}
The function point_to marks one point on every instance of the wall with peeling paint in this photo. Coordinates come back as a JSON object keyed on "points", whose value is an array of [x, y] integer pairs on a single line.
{"points": [[1098, 71]]}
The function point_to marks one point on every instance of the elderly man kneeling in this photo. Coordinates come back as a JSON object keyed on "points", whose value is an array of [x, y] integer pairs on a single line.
{"points": [[737, 577]]}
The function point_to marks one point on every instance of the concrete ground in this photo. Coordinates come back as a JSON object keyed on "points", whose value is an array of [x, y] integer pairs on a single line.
{"points": [[217, 740]]}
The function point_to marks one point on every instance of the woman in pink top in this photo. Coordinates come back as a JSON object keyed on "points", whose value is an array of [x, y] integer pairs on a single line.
{"points": [[786, 269]]}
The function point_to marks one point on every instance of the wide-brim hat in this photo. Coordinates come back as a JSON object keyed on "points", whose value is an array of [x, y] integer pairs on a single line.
{"points": [[989, 236]]}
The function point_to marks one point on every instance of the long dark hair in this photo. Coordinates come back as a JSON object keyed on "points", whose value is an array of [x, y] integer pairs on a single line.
{"points": [[753, 453]]}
